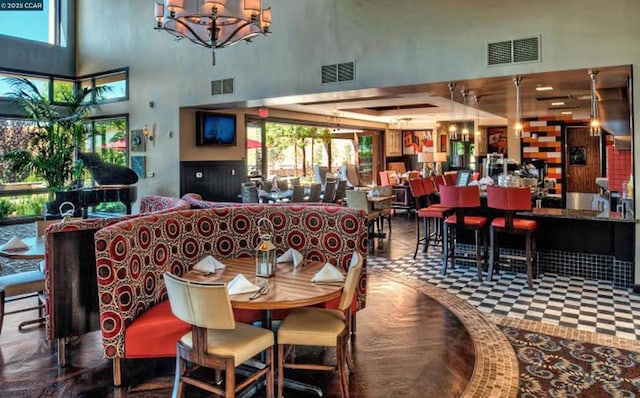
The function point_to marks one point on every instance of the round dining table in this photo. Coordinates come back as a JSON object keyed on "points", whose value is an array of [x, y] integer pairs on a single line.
{"points": [[35, 251]]}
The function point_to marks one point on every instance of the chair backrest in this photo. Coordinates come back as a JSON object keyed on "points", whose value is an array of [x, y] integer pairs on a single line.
{"points": [[509, 198], [320, 173], [460, 197], [384, 178], [249, 193], [282, 184], [438, 181], [357, 200], [427, 185], [398, 167], [205, 305], [315, 191], [341, 189], [297, 194], [266, 185], [350, 172], [329, 190], [416, 187], [294, 181], [450, 178], [351, 282]]}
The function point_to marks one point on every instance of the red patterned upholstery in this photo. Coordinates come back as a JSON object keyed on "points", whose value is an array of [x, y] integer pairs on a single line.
{"points": [[155, 203], [132, 255], [469, 221], [518, 223]]}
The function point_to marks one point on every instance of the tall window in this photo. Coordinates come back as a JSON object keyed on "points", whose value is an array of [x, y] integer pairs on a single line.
{"points": [[37, 20]]}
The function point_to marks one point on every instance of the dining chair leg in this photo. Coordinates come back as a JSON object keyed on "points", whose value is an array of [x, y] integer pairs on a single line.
{"points": [[478, 253], [492, 252], [418, 227], [177, 381], [270, 375], [445, 249], [342, 372], [529, 261], [452, 246], [230, 380], [281, 359]]}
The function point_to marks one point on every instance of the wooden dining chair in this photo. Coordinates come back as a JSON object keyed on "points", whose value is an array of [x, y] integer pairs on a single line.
{"points": [[358, 200], [329, 195], [216, 340], [314, 326], [315, 191], [297, 194]]}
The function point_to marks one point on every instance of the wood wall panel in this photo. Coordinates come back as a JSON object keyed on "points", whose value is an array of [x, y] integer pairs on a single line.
{"points": [[214, 180], [582, 178]]}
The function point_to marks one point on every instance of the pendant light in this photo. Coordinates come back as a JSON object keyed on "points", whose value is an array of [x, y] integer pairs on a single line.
{"points": [[465, 129], [518, 126], [595, 130], [477, 132], [453, 130]]}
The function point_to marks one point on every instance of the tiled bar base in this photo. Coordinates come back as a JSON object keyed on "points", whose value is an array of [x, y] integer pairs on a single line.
{"points": [[581, 265]]}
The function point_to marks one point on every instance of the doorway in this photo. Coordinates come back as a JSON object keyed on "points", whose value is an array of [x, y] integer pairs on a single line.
{"points": [[582, 160]]}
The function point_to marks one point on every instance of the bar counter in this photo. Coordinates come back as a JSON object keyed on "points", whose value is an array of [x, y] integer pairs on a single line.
{"points": [[587, 215]]}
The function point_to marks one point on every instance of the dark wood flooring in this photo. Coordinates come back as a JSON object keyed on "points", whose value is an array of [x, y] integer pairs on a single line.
{"points": [[407, 345]]}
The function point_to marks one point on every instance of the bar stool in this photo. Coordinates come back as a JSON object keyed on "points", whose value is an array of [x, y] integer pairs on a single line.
{"points": [[420, 190], [461, 198], [511, 199], [438, 181]]}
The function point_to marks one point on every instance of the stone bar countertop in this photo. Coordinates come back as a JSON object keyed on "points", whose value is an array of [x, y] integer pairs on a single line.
{"points": [[587, 215]]}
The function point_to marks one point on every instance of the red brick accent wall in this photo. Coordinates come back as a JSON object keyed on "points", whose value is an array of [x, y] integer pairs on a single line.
{"points": [[618, 168]]}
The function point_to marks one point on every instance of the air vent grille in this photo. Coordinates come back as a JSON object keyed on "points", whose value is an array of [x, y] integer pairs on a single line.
{"points": [[337, 73], [223, 86], [499, 53], [513, 51]]}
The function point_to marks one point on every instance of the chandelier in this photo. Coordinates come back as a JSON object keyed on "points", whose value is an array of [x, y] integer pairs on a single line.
{"points": [[518, 125], [213, 23], [595, 130]]}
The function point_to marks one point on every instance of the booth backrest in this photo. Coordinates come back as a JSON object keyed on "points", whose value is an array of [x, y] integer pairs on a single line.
{"points": [[132, 255]]}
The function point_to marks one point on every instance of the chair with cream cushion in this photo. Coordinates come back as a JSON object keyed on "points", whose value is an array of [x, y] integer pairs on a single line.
{"points": [[313, 326], [216, 341]]}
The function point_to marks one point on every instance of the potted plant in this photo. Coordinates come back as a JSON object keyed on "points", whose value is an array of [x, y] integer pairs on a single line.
{"points": [[59, 131]]}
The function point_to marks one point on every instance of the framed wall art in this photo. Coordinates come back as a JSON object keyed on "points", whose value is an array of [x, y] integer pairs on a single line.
{"points": [[393, 143], [137, 141]]}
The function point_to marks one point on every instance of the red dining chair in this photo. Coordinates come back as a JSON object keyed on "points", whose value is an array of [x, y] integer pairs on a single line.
{"points": [[451, 178], [384, 178], [438, 181], [425, 211], [511, 200], [462, 198]]}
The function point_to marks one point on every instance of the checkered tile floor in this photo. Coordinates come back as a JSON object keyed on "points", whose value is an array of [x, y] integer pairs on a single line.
{"points": [[584, 304]]}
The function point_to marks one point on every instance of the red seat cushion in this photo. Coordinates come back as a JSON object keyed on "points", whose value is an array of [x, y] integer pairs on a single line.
{"points": [[434, 211], [155, 333], [518, 223], [469, 221]]}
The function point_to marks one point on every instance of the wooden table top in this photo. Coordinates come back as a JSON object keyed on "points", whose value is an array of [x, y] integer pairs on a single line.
{"points": [[34, 252], [377, 199], [289, 288]]}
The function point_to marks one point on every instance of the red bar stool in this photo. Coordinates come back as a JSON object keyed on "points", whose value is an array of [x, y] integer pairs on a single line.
{"points": [[450, 178], [511, 199], [425, 211], [438, 181], [461, 198]]}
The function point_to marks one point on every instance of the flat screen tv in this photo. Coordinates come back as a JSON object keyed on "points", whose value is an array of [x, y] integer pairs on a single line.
{"points": [[215, 129]]}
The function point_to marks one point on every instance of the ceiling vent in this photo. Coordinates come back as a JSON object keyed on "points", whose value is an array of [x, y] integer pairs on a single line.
{"points": [[513, 51], [223, 86], [338, 73]]}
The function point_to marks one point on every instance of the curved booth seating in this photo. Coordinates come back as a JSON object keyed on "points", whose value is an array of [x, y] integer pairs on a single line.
{"points": [[511, 200], [460, 199], [71, 290], [131, 257]]}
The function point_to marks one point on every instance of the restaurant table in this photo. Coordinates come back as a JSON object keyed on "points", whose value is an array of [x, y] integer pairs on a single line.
{"points": [[35, 251], [288, 288], [275, 196]]}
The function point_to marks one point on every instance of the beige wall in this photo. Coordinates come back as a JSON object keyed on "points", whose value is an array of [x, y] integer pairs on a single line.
{"points": [[393, 43]]}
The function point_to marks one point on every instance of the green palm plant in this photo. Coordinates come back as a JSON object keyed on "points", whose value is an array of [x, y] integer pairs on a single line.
{"points": [[60, 130]]}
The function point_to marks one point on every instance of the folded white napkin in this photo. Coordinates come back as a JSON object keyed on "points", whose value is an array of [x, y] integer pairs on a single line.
{"points": [[14, 243], [208, 264], [239, 284], [328, 273], [291, 256]]}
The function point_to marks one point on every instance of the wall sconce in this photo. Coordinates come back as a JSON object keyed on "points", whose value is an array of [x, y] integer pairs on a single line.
{"points": [[148, 133]]}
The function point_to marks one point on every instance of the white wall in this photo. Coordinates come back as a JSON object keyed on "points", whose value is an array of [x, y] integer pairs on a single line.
{"points": [[393, 43]]}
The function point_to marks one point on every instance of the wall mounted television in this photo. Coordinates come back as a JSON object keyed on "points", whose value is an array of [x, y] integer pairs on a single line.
{"points": [[215, 129]]}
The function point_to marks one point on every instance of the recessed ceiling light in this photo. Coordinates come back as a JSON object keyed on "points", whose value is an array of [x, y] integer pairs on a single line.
{"points": [[544, 88], [557, 103], [566, 113]]}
